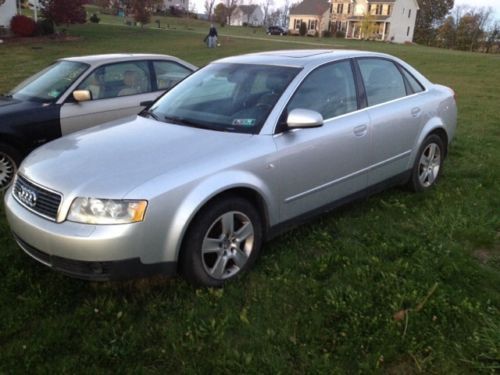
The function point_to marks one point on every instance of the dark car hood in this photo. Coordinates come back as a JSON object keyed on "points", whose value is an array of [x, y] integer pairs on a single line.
{"points": [[8, 106]]}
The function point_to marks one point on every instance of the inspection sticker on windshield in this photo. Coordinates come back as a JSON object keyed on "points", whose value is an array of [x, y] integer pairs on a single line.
{"points": [[244, 121]]}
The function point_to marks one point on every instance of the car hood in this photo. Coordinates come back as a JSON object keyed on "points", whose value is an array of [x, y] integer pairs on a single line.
{"points": [[9, 106], [109, 160]]}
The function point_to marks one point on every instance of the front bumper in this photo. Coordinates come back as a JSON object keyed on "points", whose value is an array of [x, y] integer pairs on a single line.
{"points": [[92, 252]]}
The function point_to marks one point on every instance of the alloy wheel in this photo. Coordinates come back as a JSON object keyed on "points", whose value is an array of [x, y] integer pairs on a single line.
{"points": [[429, 165]]}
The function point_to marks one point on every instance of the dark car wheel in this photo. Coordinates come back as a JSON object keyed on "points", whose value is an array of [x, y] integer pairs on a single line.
{"points": [[222, 242], [9, 161], [428, 164]]}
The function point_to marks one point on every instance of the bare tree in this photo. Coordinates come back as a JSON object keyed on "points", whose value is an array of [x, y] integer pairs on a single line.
{"points": [[209, 6], [266, 4], [230, 6], [482, 16]]}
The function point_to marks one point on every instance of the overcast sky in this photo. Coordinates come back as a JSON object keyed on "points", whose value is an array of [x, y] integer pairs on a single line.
{"points": [[495, 4]]}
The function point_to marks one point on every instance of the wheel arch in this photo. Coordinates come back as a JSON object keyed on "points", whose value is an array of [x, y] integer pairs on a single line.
{"points": [[253, 190], [434, 126]]}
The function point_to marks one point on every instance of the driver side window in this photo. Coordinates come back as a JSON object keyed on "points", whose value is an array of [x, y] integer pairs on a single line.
{"points": [[329, 90]]}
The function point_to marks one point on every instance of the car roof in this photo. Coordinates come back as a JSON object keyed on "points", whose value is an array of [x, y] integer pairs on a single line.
{"points": [[298, 58], [118, 57]]}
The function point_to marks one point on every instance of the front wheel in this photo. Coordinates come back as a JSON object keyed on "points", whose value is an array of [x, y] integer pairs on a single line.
{"points": [[428, 164], [222, 242], [9, 161]]}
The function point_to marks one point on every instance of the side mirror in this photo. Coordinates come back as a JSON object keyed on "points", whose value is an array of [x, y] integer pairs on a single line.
{"points": [[304, 118], [82, 95]]}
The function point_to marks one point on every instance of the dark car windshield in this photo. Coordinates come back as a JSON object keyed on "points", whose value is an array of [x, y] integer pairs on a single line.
{"points": [[225, 97], [50, 83]]}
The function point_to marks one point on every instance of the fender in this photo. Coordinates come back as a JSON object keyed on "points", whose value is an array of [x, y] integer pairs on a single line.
{"points": [[433, 124], [207, 190]]}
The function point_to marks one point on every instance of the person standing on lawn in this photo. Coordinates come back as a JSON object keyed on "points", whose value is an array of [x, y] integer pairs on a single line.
{"points": [[212, 36]]}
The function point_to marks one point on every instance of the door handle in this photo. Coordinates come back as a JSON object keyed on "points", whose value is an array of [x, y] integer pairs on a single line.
{"points": [[415, 111], [360, 130]]}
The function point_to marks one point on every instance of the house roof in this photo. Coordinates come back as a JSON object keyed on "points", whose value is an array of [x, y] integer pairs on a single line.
{"points": [[247, 9], [312, 7]]}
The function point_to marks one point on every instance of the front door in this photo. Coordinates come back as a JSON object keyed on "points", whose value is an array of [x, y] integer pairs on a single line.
{"points": [[321, 165]]}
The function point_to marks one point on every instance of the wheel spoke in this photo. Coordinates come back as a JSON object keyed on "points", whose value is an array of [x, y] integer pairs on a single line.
{"points": [[227, 223], [240, 258], [244, 232], [432, 151], [423, 176], [211, 245], [219, 267]]}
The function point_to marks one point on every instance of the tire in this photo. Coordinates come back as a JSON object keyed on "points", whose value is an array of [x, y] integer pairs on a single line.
{"points": [[9, 162], [428, 164], [212, 252]]}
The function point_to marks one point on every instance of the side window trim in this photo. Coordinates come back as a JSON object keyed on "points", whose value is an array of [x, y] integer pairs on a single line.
{"points": [[398, 67], [153, 71], [360, 85], [280, 126]]}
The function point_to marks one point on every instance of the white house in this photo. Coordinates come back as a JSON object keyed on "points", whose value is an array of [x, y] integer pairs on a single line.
{"points": [[314, 13], [251, 15], [181, 4], [389, 20], [7, 11]]}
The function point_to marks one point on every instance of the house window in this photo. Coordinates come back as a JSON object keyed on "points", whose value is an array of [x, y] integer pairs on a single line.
{"points": [[378, 10], [297, 24], [409, 13], [312, 24], [389, 9], [408, 31], [369, 8], [340, 8], [349, 9]]}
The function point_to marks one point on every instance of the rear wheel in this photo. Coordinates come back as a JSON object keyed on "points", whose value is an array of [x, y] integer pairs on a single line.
{"points": [[222, 242], [9, 161], [428, 164]]}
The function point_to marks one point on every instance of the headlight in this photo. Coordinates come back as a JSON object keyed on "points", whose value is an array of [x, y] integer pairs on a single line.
{"points": [[106, 211]]}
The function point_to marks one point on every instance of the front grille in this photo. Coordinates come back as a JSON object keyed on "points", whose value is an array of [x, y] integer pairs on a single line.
{"points": [[36, 198]]}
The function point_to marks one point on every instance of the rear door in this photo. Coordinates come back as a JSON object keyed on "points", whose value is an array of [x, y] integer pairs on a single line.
{"points": [[394, 107]]}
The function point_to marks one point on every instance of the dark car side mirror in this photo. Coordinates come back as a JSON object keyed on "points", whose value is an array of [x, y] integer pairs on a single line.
{"points": [[304, 118]]}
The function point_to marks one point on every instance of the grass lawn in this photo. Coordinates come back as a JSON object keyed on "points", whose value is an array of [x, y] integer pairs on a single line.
{"points": [[322, 298]]}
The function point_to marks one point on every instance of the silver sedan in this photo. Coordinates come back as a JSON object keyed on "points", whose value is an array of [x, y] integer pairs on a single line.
{"points": [[231, 156]]}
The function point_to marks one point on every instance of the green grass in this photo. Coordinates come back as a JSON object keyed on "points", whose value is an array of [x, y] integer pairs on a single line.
{"points": [[322, 297]]}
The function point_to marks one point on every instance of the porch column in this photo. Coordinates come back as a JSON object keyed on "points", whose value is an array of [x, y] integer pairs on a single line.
{"points": [[347, 29], [383, 32]]}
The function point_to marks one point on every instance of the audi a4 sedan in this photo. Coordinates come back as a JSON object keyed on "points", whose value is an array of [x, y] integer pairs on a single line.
{"points": [[76, 93], [230, 157]]}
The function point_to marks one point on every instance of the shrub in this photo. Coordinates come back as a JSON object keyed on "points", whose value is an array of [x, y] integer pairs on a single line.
{"points": [[44, 27], [303, 29], [340, 34], [94, 18], [327, 34], [22, 25]]}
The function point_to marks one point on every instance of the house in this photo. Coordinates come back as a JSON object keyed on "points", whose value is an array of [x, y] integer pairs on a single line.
{"points": [[314, 13], [179, 4], [386, 20], [251, 15], [7, 11]]}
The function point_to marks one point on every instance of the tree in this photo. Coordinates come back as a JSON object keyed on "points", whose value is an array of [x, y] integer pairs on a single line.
{"points": [[220, 13], [430, 14], [492, 36], [231, 6], [209, 6], [266, 4], [368, 26], [471, 28], [63, 12], [446, 34], [142, 9]]}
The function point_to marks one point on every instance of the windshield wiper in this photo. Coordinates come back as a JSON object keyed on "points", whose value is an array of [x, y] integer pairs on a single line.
{"points": [[151, 114], [183, 121]]}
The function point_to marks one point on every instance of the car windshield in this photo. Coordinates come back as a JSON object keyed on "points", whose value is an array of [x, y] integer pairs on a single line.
{"points": [[50, 83], [225, 97]]}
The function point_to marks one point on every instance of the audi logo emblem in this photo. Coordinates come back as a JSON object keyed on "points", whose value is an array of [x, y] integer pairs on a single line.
{"points": [[27, 196]]}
